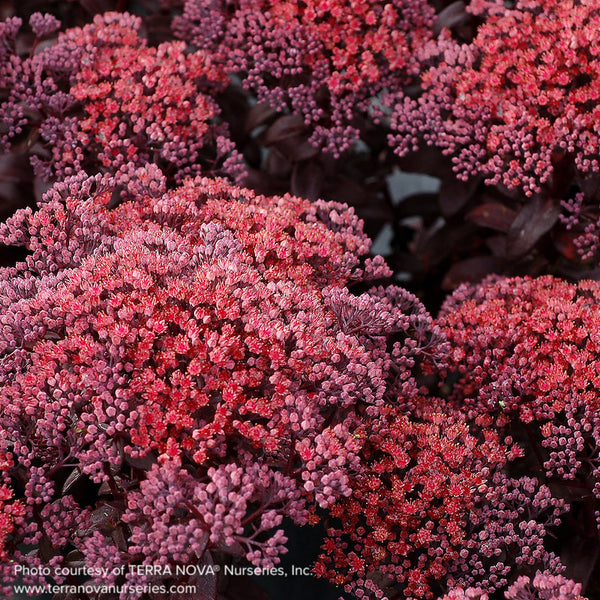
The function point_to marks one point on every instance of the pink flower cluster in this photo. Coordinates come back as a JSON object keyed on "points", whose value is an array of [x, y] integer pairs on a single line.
{"points": [[11, 516], [101, 99], [199, 346], [518, 341], [325, 60], [545, 586], [581, 219], [518, 102], [526, 351], [511, 521], [12, 113], [435, 505], [187, 366], [408, 514]]}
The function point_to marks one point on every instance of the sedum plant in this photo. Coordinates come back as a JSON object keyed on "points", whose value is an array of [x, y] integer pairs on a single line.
{"points": [[183, 371]]}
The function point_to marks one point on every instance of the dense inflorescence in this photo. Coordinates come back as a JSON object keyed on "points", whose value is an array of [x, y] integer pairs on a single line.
{"points": [[200, 345], [519, 101], [190, 370], [525, 354], [101, 99], [327, 61], [517, 341], [11, 516], [434, 506], [545, 586], [511, 521], [12, 114], [459, 593], [581, 218]]}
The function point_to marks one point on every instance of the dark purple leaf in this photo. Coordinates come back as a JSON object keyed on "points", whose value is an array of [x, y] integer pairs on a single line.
{"points": [[97, 6], [571, 272], [436, 244], [74, 559], [206, 583], [535, 219], [307, 179], [589, 184], [493, 215], [423, 205], [40, 187], [427, 159], [564, 242], [71, 480], [454, 194], [296, 148], [350, 191], [402, 261], [285, 127], [104, 489], [24, 43], [119, 538], [45, 550], [156, 27], [11, 199], [105, 516], [258, 115], [378, 212], [453, 15], [199, 594], [277, 165], [497, 244], [263, 183], [144, 463], [15, 168], [580, 557], [119, 445], [471, 270], [38, 149], [203, 544]]}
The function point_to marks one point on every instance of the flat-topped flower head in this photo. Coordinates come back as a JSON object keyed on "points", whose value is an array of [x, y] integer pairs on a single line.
{"points": [[545, 586], [105, 100], [517, 341], [518, 101], [524, 354], [197, 354], [327, 61], [426, 510]]}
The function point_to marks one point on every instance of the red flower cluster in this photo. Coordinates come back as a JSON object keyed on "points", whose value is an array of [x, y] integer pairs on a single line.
{"points": [[11, 515], [525, 352], [409, 514], [106, 101], [186, 365], [12, 113], [207, 334], [524, 346], [544, 586], [516, 101], [327, 60]]}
